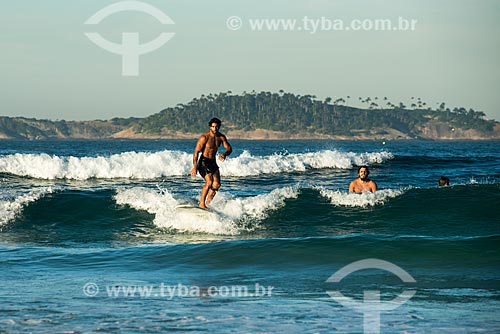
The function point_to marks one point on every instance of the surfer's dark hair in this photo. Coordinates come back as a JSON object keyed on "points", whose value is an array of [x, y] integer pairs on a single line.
{"points": [[215, 120], [367, 170]]}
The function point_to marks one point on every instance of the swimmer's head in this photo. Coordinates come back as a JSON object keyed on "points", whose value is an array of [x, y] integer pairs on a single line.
{"points": [[363, 172], [444, 181]]}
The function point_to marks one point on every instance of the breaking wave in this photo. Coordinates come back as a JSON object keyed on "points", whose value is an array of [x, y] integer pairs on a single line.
{"points": [[229, 216], [148, 165]]}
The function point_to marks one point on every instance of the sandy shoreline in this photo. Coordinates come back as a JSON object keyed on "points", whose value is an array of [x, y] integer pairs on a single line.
{"points": [[261, 134]]}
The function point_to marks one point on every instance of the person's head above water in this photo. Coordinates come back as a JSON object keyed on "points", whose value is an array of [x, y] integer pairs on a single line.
{"points": [[363, 172], [444, 181]]}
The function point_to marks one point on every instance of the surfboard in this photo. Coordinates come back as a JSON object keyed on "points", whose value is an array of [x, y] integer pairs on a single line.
{"points": [[195, 210]]}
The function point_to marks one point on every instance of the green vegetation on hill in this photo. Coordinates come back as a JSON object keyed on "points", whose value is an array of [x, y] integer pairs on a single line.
{"points": [[294, 113], [283, 112]]}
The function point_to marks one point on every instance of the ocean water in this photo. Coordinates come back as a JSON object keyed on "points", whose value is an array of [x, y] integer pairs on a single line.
{"points": [[91, 240]]}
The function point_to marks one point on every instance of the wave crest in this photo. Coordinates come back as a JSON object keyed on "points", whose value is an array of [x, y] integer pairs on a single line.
{"points": [[147, 165], [359, 200], [228, 213], [9, 209], [249, 165]]}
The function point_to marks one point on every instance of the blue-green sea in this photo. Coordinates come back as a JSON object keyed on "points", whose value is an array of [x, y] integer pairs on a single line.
{"points": [[92, 239]]}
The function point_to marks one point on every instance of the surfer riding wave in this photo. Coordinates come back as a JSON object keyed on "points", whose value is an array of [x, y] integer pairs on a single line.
{"points": [[208, 145]]}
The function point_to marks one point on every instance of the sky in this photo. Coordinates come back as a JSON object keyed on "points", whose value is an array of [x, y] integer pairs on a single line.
{"points": [[50, 68]]}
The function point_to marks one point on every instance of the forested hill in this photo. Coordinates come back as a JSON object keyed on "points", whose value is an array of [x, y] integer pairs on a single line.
{"points": [[305, 116], [33, 129], [275, 115]]}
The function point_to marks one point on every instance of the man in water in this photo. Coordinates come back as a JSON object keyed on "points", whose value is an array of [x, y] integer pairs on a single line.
{"points": [[444, 181], [207, 145], [363, 183]]}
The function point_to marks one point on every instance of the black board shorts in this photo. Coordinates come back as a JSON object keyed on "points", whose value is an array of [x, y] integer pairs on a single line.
{"points": [[206, 166]]}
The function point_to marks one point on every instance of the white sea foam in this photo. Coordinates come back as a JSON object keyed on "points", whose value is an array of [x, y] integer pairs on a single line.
{"points": [[224, 219], [247, 164], [135, 165], [147, 165], [359, 200], [9, 209], [163, 205], [254, 207]]}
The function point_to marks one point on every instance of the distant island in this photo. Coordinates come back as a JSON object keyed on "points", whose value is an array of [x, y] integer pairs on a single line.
{"points": [[267, 115]]}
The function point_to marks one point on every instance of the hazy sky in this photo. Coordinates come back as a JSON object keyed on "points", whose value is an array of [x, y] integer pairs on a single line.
{"points": [[50, 69]]}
